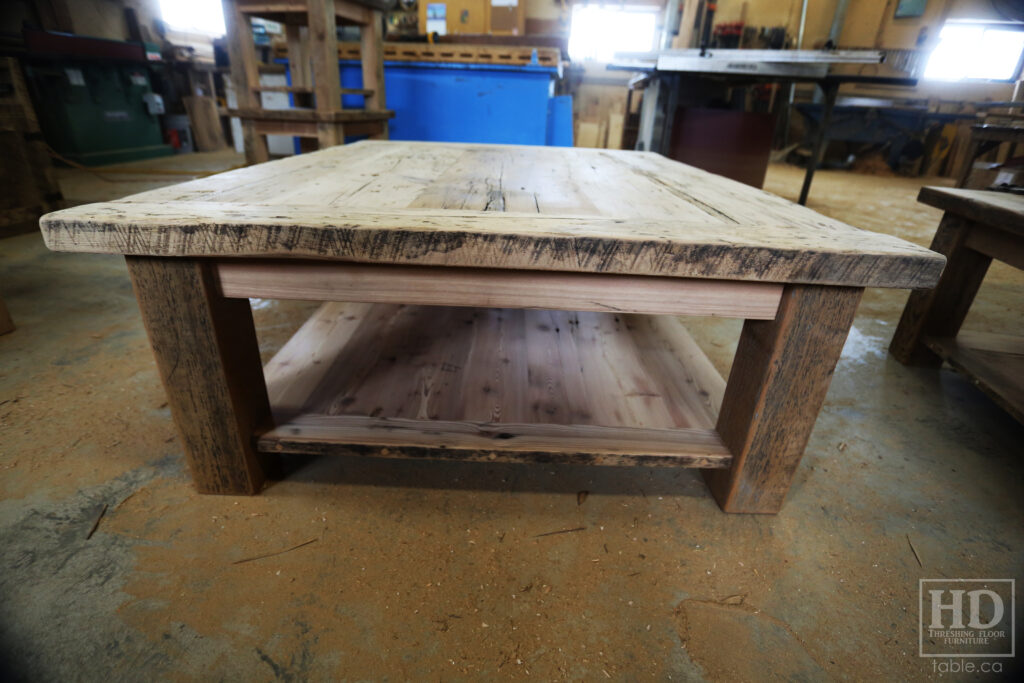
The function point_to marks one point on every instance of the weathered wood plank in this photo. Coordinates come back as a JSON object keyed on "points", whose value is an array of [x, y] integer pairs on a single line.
{"points": [[495, 366], [497, 206], [371, 39], [777, 385], [208, 357], [497, 442], [491, 240], [940, 312], [992, 362], [1001, 210], [325, 281], [244, 71]]}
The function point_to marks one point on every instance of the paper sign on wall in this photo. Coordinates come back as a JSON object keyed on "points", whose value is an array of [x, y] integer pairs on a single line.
{"points": [[504, 3]]}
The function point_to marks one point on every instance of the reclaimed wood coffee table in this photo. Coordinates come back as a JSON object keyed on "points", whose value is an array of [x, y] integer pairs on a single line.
{"points": [[510, 304]]}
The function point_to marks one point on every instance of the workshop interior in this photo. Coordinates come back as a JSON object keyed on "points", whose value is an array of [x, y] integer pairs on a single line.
{"points": [[511, 339]]}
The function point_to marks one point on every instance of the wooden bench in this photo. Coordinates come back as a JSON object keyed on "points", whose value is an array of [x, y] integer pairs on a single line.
{"points": [[504, 303], [978, 226]]}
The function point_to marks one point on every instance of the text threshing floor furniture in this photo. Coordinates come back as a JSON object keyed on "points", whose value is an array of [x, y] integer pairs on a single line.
{"points": [[978, 226], [512, 304]]}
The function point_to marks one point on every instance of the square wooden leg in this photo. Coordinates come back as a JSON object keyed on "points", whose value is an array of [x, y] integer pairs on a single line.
{"points": [[208, 357], [255, 143], [777, 385], [941, 311]]}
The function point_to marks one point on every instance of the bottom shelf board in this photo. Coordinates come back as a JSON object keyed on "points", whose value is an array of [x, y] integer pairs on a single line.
{"points": [[993, 362], [496, 385]]}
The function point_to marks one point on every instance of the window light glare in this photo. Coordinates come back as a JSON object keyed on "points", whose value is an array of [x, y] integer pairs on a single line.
{"points": [[972, 51], [194, 16], [597, 33]]}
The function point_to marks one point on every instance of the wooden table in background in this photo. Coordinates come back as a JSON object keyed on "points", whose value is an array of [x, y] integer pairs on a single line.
{"points": [[512, 304], [978, 226]]}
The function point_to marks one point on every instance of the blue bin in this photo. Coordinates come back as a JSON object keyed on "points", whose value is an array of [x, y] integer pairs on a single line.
{"points": [[488, 103]]}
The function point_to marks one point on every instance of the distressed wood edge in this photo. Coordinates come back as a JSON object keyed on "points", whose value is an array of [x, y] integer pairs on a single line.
{"points": [[977, 205], [493, 442], [427, 242]]}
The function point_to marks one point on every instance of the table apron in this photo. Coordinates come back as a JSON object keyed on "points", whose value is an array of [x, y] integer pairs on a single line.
{"points": [[495, 288]]}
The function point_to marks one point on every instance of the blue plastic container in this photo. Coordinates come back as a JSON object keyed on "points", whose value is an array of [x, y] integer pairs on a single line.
{"points": [[469, 102]]}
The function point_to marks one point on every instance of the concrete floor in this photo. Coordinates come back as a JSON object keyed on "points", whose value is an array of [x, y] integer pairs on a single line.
{"points": [[435, 571]]}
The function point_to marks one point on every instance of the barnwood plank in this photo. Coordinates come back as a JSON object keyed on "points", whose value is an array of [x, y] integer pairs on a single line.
{"points": [[205, 121], [940, 312], [208, 357], [999, 244], [496, 206], [1001, 210], [600, 388], [245, 71], [492, 240], [325, 281], [992, 362], [371, 37], [497, 442], [312, 115], [777, 385]]}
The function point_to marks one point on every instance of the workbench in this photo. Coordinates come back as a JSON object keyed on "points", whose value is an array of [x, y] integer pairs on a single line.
{"points": [[494, 303], [978, 226], [675, 75], [984, 138]]}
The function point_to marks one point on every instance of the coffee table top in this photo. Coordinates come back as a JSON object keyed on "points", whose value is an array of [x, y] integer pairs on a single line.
{"points": [[1001, 210], [496, 206]]}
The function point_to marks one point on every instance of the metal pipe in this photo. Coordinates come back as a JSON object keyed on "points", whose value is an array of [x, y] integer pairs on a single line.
{"points": [[670, 27], [803, 23], [792, 86], [837, 21]]}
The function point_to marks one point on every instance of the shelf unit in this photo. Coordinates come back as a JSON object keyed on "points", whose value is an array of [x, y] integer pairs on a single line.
{"points": [[319, 116]]}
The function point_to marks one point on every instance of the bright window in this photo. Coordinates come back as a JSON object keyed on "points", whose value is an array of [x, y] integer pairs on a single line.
{"points": [[979, 51], [193, 16], [597, 33]]}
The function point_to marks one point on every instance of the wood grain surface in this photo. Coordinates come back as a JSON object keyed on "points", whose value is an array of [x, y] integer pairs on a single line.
{"points": [[333, 281], [1000, 210], [498, 380], [939, 312], [777, 385], [209, 362], [496, 206]]}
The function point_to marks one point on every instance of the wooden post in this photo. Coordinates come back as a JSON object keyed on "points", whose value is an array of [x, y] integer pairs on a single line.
{"points": [[208, 357], [323, 52], [298, 63], [941, 311], [777, 385], [372, 55], [246, 76]]}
